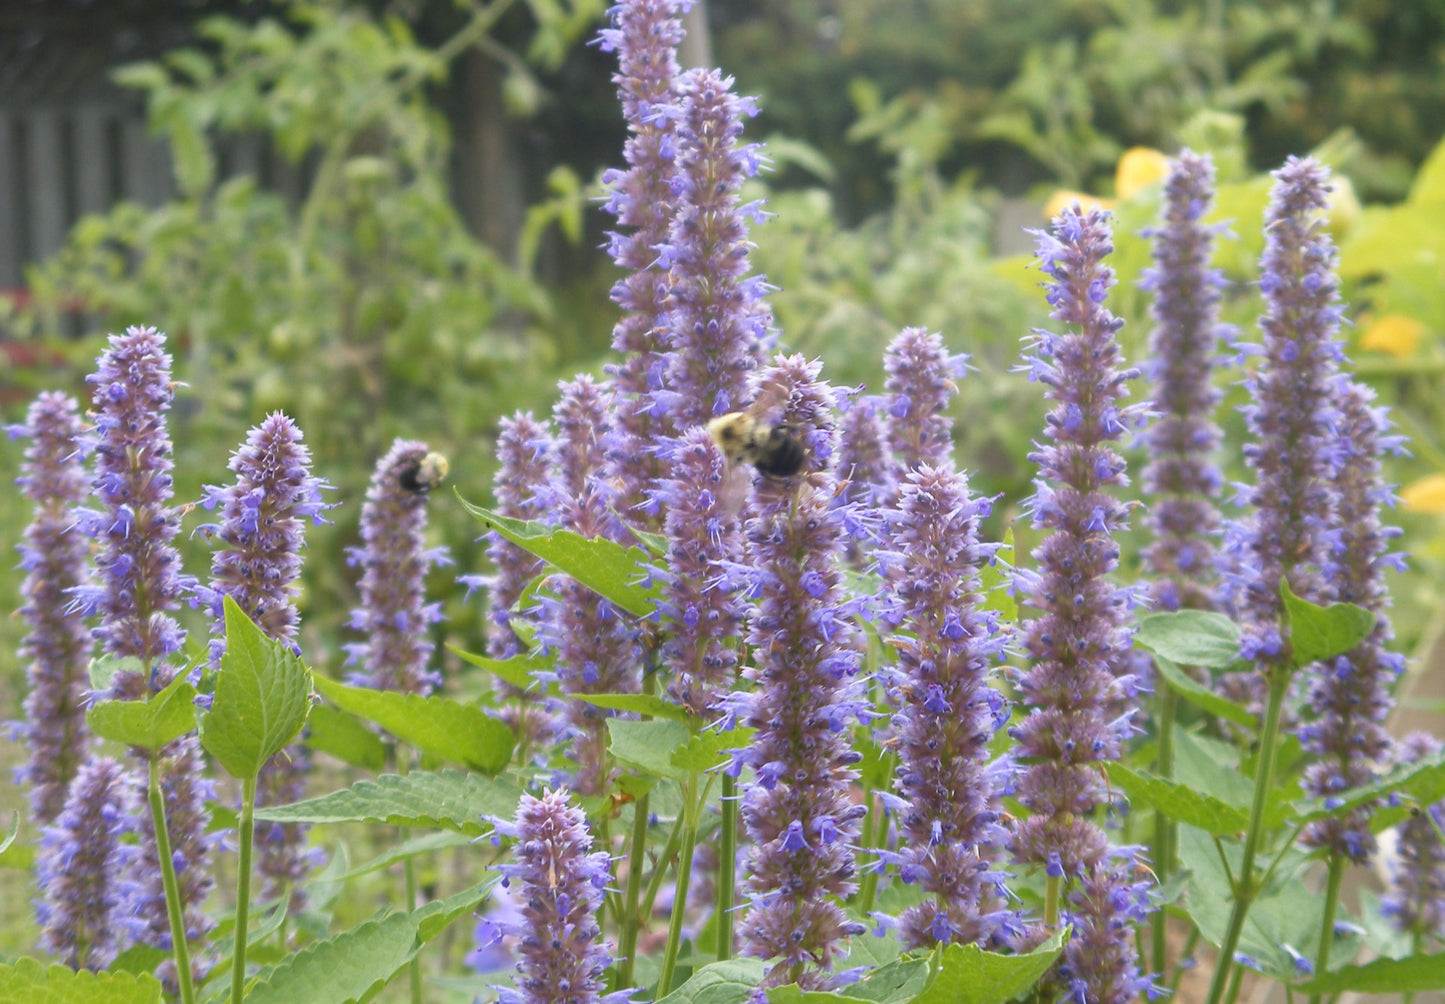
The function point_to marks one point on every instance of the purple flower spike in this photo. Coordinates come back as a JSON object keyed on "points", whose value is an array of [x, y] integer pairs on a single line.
{"points": [[864, 465], [58, 644], [394, 615], [799, 812], [1180, 475], [1292, 419], [920, 383], [705, 537], [563, 883], [139, 567], [1350, 696], [1415, 899], [945, 712], [82, 866], [263, 516], [645, 35], [718, 319], [1100, 965], [1078, 648]]}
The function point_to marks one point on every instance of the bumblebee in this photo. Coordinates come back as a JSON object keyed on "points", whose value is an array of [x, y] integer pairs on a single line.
{"points": [[422, 475], [745, 439]]}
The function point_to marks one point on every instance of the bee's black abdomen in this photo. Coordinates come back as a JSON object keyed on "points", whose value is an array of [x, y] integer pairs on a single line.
{"points": [[781, 457]]}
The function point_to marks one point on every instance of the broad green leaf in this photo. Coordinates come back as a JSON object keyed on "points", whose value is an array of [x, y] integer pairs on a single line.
{"points": [[893, 982], [449, 799], [648, 746], [1211, 768], [447, 729], [149, 724], [28, 981], [612, 571], [1178, 802], [969, 975], [641, 704], [1317, 632], [353, 966], [1190, 638], [1383, 976], [425, 844], [1201, 696], [706, 750], [517, 670], [730, 982], [344, 737], [263, 693]]}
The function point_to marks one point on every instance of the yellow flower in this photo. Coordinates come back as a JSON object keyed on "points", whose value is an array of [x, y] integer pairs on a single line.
{"points": [[1062, 198], [1139, 168], [1394, 334], [1426, 495]]}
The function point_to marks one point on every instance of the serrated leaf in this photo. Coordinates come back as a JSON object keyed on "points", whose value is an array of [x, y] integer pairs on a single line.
{"points": [[344, 737], [1317, 632], [517, 670], [149, 724], [705, 751], [353, 966], [263, 693], [28, 981], [893, 982], [1202, 697], [640, 704], [1383, 976], [1178, 802], [969, 975], [730, 982], [449, 799], [614, 572], [1190, 638], [648, 746], [436, 725]]}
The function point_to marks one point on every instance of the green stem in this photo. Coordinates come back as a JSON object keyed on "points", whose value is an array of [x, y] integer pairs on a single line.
{"points": [[1327, 925], [727, 868], [243, 887], [631, 920], [1052, 885], [1234, 984], [679, 907], [414, 970], [1163, 826], [175, 909], [1245, 887], [659, 870]]}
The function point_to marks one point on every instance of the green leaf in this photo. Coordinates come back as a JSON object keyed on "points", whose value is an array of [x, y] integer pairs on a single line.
{"points": [[263, 693], [28, 981], [517, 670], [1423, 781], [707, 750], [1178, 802], [1211, 768], [641, 704], [1383, 976], [1202, 697], [449, 799], [612, 571], [426, 844], [438, 725], [149, 724], [344, 737], [648, 746], [1317, 632], [969, 975], [893, 982], [730, 982], [1190, 638]]}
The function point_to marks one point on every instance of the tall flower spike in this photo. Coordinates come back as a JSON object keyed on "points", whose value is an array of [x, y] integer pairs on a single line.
{"points": [[82, 866], [645, 35], [1180, 474], [1079, 645], [596, 647], [563, 883], [798, 809], [1350, 697], [717, 320], [705, 537], [263, 515], [57, 646], [393, 557], [1415, 897], [920, 383], [945, 713], [140, 584], [1291, 418]]}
